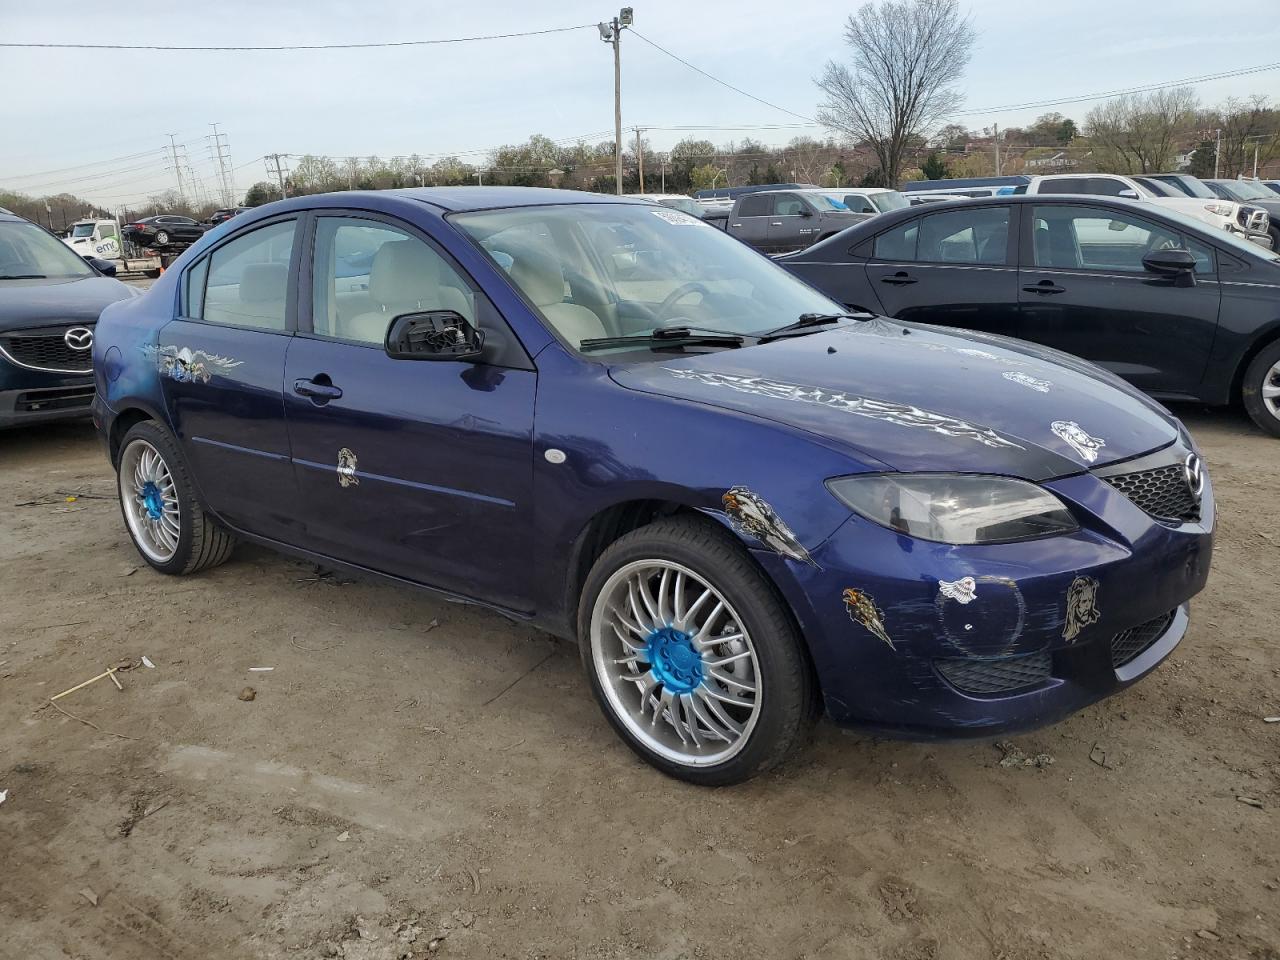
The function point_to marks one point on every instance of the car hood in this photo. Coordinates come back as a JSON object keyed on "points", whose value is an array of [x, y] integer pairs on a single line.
{"points": [[915, 397], [25, 303]]}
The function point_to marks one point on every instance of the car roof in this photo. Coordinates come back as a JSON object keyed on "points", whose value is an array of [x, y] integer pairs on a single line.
{"points": [[459, 199]]}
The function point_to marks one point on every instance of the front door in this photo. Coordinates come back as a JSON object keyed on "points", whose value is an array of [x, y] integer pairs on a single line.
{"points": [[1083, 289], [221, 364], [957, 268], [417, 468], [792, 225]]}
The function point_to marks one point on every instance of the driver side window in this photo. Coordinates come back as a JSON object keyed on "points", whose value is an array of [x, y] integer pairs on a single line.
{"points": [[1092, 239]]}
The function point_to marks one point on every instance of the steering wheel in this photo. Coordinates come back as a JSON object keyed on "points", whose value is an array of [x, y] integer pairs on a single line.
{"points": [[667, 307]]}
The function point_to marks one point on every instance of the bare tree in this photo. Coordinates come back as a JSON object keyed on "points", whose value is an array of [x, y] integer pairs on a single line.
{"points": [[1249, 128], [904, 57], [1140, 133]]}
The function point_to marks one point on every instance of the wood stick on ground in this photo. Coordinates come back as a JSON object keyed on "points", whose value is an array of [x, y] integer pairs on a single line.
{"points": [[89, 723], [119, 686], [106, 673]]}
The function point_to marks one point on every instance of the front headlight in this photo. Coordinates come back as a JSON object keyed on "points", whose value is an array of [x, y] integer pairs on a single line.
{"points": [[1220, 209], [955, 508]]}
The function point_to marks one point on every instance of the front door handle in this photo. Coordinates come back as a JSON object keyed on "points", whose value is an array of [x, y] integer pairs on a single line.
{"points": [[319, 389], [901, 278], [1044, 286], [775, 223]]}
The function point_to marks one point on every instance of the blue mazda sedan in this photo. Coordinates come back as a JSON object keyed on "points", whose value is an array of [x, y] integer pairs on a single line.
{"points": [[615, 422]]}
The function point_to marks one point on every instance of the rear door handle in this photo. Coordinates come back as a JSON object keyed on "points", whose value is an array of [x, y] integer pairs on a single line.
{"points": [[1044, 286], [898, 279], [319, 391]]}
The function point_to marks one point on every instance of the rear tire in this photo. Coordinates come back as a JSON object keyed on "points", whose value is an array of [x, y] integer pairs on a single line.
{"points": [[166, 521], [682, 702], [1260, 389]]}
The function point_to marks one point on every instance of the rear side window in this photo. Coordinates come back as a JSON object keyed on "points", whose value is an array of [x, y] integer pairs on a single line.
{"points": [[1064, 185], [756, 205], [248, 279], [898, 243], [965, 236]]}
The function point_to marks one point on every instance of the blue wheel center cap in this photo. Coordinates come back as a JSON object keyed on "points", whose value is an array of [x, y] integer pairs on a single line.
{"points": [[674, 660], [152, 500]]}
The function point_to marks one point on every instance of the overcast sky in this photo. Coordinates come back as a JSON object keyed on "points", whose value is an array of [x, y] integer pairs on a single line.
{"points": [[65, 108]]}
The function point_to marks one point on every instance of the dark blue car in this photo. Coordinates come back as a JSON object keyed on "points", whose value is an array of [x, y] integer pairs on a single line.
{"points": [[615, 422]]}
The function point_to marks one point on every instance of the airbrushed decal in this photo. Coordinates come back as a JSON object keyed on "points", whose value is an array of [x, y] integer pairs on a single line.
{"points": [[900, 414], [753, 517], [347, 465], [190, 366], [962, 591], [1017, 376], [1082, 607], [862, 609], [1072, 434]]}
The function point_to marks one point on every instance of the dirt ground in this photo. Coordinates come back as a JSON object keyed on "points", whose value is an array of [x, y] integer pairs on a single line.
{"points": [[418, 779]]}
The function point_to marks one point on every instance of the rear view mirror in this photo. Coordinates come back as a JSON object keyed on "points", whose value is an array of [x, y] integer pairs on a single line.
{"points": [[434, 335]]}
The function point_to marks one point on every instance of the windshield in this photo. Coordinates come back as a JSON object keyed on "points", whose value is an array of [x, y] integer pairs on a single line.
{"points": [[691, 207], [27, 251], [1195, 188], [1237, 243], [889, 200], [82, 230], [597, 270], [1248, 190]]}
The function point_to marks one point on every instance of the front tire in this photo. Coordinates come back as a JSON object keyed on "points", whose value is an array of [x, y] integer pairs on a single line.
{"points": [[692, 655], [1260, 389], [165, 520], [162, 238]]}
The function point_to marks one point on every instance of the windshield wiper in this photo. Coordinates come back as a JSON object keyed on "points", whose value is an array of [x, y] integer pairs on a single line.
{"points": [[666, 338], [23, 276], [804, 322]]}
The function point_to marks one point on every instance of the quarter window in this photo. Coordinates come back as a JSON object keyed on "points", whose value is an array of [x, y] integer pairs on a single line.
{"points": [[248, 279], [368, 273], [1086, 238]]}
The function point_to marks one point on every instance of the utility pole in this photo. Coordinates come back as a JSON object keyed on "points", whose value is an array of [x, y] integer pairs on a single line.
{"points": [[176, 167], [996, 140], [640, 157], [1256, 144], [1217, 151], [277, 166], [663, 158], [611, 32]]}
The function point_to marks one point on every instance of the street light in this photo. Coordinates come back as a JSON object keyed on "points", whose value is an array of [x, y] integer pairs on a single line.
{"points": [[611, 32]]}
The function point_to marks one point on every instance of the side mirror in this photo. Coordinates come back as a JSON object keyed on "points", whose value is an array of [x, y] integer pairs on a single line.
{"points": [[434, 335], [1175, 263], [806, 212], [1129, 194], [102, 266]]}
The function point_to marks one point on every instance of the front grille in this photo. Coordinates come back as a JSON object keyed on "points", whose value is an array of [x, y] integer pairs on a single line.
{"points": [[1162, 492], [1127, 645], [45, 349], [973, 675], [66, 398]]}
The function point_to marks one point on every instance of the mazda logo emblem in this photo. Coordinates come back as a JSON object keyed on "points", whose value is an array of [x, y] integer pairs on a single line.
{"points": [[1193, 470], [78, 338]]}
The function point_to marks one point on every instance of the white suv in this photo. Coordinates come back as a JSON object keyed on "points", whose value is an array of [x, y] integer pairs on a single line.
{"points": [[1223, 214]]}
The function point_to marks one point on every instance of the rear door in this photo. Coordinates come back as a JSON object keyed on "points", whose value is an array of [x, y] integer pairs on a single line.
{"points": [[417, 468], [955, 267], [749, 221], [221, 362], [1083, 289]]}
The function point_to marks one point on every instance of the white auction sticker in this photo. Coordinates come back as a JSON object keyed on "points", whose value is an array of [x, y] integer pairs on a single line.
{"points": [[675, 216]]}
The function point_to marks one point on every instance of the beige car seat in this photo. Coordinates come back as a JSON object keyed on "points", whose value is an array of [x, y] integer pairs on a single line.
{"points": [[406, 277]]}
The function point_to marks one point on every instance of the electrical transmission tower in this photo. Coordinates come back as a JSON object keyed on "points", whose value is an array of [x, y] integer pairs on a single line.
{"points": [[220, 154], [176, 165]]}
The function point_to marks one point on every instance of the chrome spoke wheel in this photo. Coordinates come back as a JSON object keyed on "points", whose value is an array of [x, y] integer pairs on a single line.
{"points": [[675, 663], [1271, 391], [150, 500]]}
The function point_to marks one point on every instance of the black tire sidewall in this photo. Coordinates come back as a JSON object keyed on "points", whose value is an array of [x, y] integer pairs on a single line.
{"points": [[786, 698], [1251, 389], [164, 444]]}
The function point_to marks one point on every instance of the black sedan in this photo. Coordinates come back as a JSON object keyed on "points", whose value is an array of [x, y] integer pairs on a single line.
{"points": [[1180, 310], [50, 299], [163, 230]]}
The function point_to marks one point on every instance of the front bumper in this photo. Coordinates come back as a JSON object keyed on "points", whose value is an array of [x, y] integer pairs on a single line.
{"points": [[69, 401], [1143, 572]]}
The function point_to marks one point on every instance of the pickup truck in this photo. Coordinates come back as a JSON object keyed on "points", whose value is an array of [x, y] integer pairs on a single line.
{"points": [[1223, 214], [779, 221]]}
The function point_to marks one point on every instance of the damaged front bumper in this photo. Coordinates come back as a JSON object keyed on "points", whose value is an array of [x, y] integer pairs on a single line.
{"points": [[926, 640]]}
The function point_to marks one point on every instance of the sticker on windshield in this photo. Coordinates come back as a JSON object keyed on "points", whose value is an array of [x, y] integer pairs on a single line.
{"points": [[1072, 434], [675, 216], [1017, 376]]}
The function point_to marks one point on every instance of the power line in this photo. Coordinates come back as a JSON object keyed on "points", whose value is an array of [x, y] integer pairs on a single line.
{"points": [[81, 166], [1243, 71], [298, 46], [709, 76]]}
